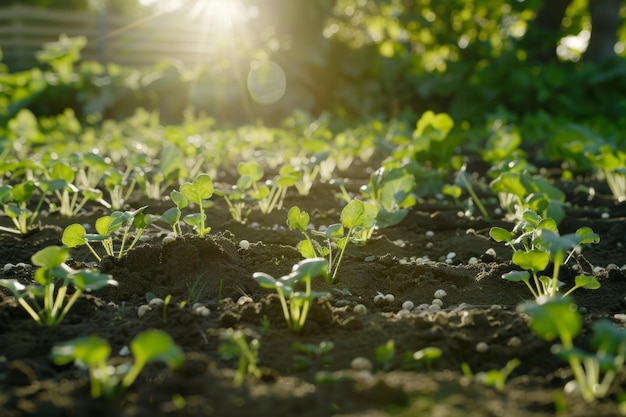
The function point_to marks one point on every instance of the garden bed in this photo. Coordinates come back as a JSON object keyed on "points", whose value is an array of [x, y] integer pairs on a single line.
{"points": [[477, 328]]}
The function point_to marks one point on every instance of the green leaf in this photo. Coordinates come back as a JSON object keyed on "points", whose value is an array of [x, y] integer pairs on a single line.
{"points": [[265, 280], [516, 276], [23, 192], [509, 182], [200, 189], [252, 169], [196, 220], [500, 235], [587, 282], [311, 268], [587, 235], [334, 231], [74, 235], [535, 260], [50, 256], [297, 219], [553, 317], [106, 225], [88, 280], [171, 216], [306, 249], [179, 199], [351, 214], [90, 350], [156, 345]]}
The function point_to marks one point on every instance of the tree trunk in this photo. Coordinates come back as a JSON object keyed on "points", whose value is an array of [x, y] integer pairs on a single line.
{"points": [[544, 31], [605, 22]]}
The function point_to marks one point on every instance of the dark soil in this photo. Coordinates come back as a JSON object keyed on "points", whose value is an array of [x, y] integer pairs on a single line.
{"points": [[215, 272]]}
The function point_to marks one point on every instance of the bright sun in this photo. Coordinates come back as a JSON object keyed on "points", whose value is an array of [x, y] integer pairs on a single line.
{"points": [[220, 15]]}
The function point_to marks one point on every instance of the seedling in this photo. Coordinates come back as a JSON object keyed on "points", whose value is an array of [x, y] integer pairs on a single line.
{"points": [[75, 234], [392, 193], [310, 355], [295, 304], [197, 191], [612, 164], [358, 218], [385, 354], [109, 381], [271, 194], [51, 283], [172, 215], [236, 345], [423, 357], [463, 180], [494, 377], [552, 318], [541, 243]]}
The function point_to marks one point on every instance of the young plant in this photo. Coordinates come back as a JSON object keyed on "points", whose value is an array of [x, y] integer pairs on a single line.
{"points": [[552, 318], [271, 194], [295, 304], [310, 355], [541, 243], [423, 357], [52, 280], [109, 381], [386, 354], [494, 377], [612, 164], [14, 202], [392, 193], [172, 215], [236, 345], [197, 191], [520, 191], [75, 234], [357, 219]]}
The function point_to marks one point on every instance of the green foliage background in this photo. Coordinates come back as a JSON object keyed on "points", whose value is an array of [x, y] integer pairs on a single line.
{"points": [[358, 59]]}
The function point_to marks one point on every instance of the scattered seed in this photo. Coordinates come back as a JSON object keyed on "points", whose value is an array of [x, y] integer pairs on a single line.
{"points": [[482, 347], [438, 302], [361, 364], [168, 239], [434, 307], [473, 260], [605, 215], [143, 309], [430, 245], [403, 312], [423, 307], [244, 244], [370, 258], [429, 233], [8, 267], [491, 252], [379, 298], [620, 317], [389, 298], [155, 302], [514, 342], [451, 255], [244, 299], [360, 309], [609, 267], [202, 311], [408, 305], [440, 293], [23, 265]]}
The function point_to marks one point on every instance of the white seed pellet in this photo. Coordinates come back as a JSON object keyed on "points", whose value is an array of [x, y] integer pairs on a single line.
{"points": [[389, 298], [430, 245], [491, 252], [437, 302], [472, 261], [433, 308], [361, 364], [408, 305], [360, 309], [8, 267], [379, 298], [142, 310], [168, 239], [440, 293], [202, 311], [514, 342], [429, 233], [605, 215], [244, 244], [155, 302], [451, 255], [482, 347]]}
